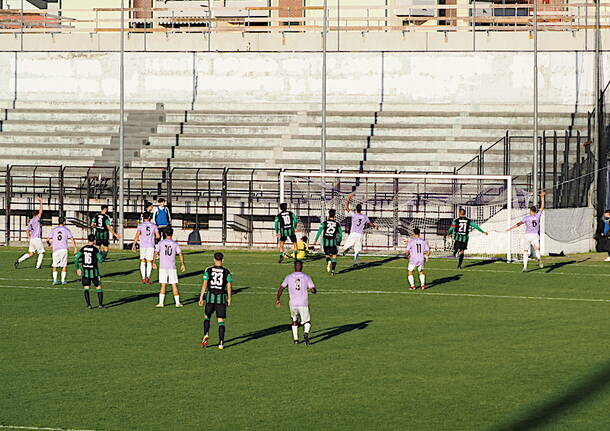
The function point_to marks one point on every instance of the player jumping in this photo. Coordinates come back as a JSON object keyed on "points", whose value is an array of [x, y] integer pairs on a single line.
{"points": [[359, 223], [102, 227], [461, 227], [216, 292], [299, 285], [58, 239], [88, 258], [332, 234], [147, 233], [532, 233], [418, 252], [166, 250], [34, 233], [285, 227]]}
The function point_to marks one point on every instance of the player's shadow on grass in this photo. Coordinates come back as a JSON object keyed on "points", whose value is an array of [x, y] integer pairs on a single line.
{"points": [[190, 274], [328, 333], [544, 414], [481, 263], [131, 298], [120, 273], [371, 264], [444, 280], [256, 335], [558, 265], [195, 299]]}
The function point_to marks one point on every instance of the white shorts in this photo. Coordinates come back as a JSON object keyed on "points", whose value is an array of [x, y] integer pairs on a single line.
{"points": [[168, 276], [147, 253], [530, 239], [36, 246], [60, 258], [411, 267], [303, 312], [354, 240]]}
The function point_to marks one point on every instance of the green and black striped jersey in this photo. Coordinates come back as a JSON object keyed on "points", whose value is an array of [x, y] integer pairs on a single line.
{"points": [[101, 221], [461, 227], [87, 259], [332, 233], [286, 223], [218, 278]]}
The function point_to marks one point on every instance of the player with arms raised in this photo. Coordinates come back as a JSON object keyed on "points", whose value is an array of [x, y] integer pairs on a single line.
{"points": [[332, 234], [86, 263], [147, 233], [532, 233], [216, 292], [166, 250], [418, 252], [285, 227], [460, 228], [359, 223], [34, 233], [299, 285], [102, 227]]}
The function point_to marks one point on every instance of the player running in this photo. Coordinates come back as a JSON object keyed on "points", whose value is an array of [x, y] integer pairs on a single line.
{"points": [[332, 234], [147, 233], [162, 218], [532, 233], [359, 223], [285, 227], [166, 250], [216, 292], [299, 285], [34, 233], [58, 239], [86, 262], [102, 226], [418, 252], [460, 228]]}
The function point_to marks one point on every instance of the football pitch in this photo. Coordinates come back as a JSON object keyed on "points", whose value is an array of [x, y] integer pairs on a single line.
{"points": [[485, 348]]}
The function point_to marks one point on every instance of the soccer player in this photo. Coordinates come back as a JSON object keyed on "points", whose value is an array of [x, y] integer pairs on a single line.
{"points": [[34, 233], [58, 239], [102, 227], [605, 234], [86, 263], [147, 233], [216, 292], [332, 234], [285, 227], [532, 233], [460, 228], [148, 208], [302, 249], [418, 252], [299, 285], [359, 223], [166, 250], [162, 218]]}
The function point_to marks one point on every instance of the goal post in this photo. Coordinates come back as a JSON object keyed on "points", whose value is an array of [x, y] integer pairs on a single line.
{"points": [[398, 203]]}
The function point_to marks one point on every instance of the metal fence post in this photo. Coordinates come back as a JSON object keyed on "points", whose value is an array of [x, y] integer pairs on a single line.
{"points": [[396, 189], [555, 185], [115, 197], [251, 208], [7, 216], [61, 192], [225, 173]]}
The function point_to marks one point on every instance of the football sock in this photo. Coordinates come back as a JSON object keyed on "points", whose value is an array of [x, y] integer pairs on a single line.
{"points": [[54, 276], [63, 276], [143, 269], [148, 269], [538, 256], [206, 326], [39, 261], [356, 257], [100, 296], [525, 256], [177, 299], [87, 297], [307, 327], [460, 260], [411, 280], [422, 279], [221, 332], [334, 264], [24, 257], [295, 332], [327, 259], [161, 298], [104, 254]]}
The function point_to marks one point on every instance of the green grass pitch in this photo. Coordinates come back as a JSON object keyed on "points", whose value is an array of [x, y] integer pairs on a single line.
{"points": [[485, 348]]}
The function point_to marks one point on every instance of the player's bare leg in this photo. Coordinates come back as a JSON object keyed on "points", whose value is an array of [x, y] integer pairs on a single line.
{"points": [[295, 332], [306, 329], [460, 259], [100, 296], [538, 256], [221, 333], [411, 279], [206, 331], [22, 258], [54, 276], [87, 296], [526, 254], [64, 274], [422, 280], [333, 264], [281, 248], [143, 266], [161, 296], [176, 295]]}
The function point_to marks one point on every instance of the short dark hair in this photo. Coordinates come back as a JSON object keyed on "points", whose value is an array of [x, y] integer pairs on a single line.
{"points": [[104, 207], [283, 206], [219, 256], [61, 220], [607, 211], [359, 207], [332, 213], [161, 200], [148, 204], [416, 231], [461, 210], [169, 231], [533, 209], [304, 238], [298, 265], [91, 237], [146, 216]]}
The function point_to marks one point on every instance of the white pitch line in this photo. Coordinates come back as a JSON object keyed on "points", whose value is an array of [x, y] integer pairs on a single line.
{"points": [[355, 292], [21, 427]]}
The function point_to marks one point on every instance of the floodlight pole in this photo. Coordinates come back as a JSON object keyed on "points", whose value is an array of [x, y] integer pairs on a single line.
{"points": [[535, 140], [597, 105], [122, 131], [323, 138]]}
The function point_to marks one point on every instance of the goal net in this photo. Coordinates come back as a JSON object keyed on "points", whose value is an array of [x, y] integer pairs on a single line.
{"points": [[399, 203]]}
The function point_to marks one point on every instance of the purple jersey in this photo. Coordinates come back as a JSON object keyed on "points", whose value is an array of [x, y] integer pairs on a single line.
{"points": [[532, 223], [59, 237], [168, 249], [35, 228], [298, 285], [417, 247], [148, 233], [359, 222]]}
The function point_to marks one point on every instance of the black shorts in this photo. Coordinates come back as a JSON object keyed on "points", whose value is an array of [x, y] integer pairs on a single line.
{"points": [[293, 238], [331, 250], [95, 281], [220, 309], [102, 242], [460, 245], [163, 232]]}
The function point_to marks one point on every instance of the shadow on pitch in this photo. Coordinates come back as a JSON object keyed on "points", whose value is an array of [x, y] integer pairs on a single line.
{"points": [[370, 264], [190, 274], [256, 335], [558, 265], [480, 263], [444, 280], [328, 333], [130, 299], [561, 404], [120, 273], [195, 299]]}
